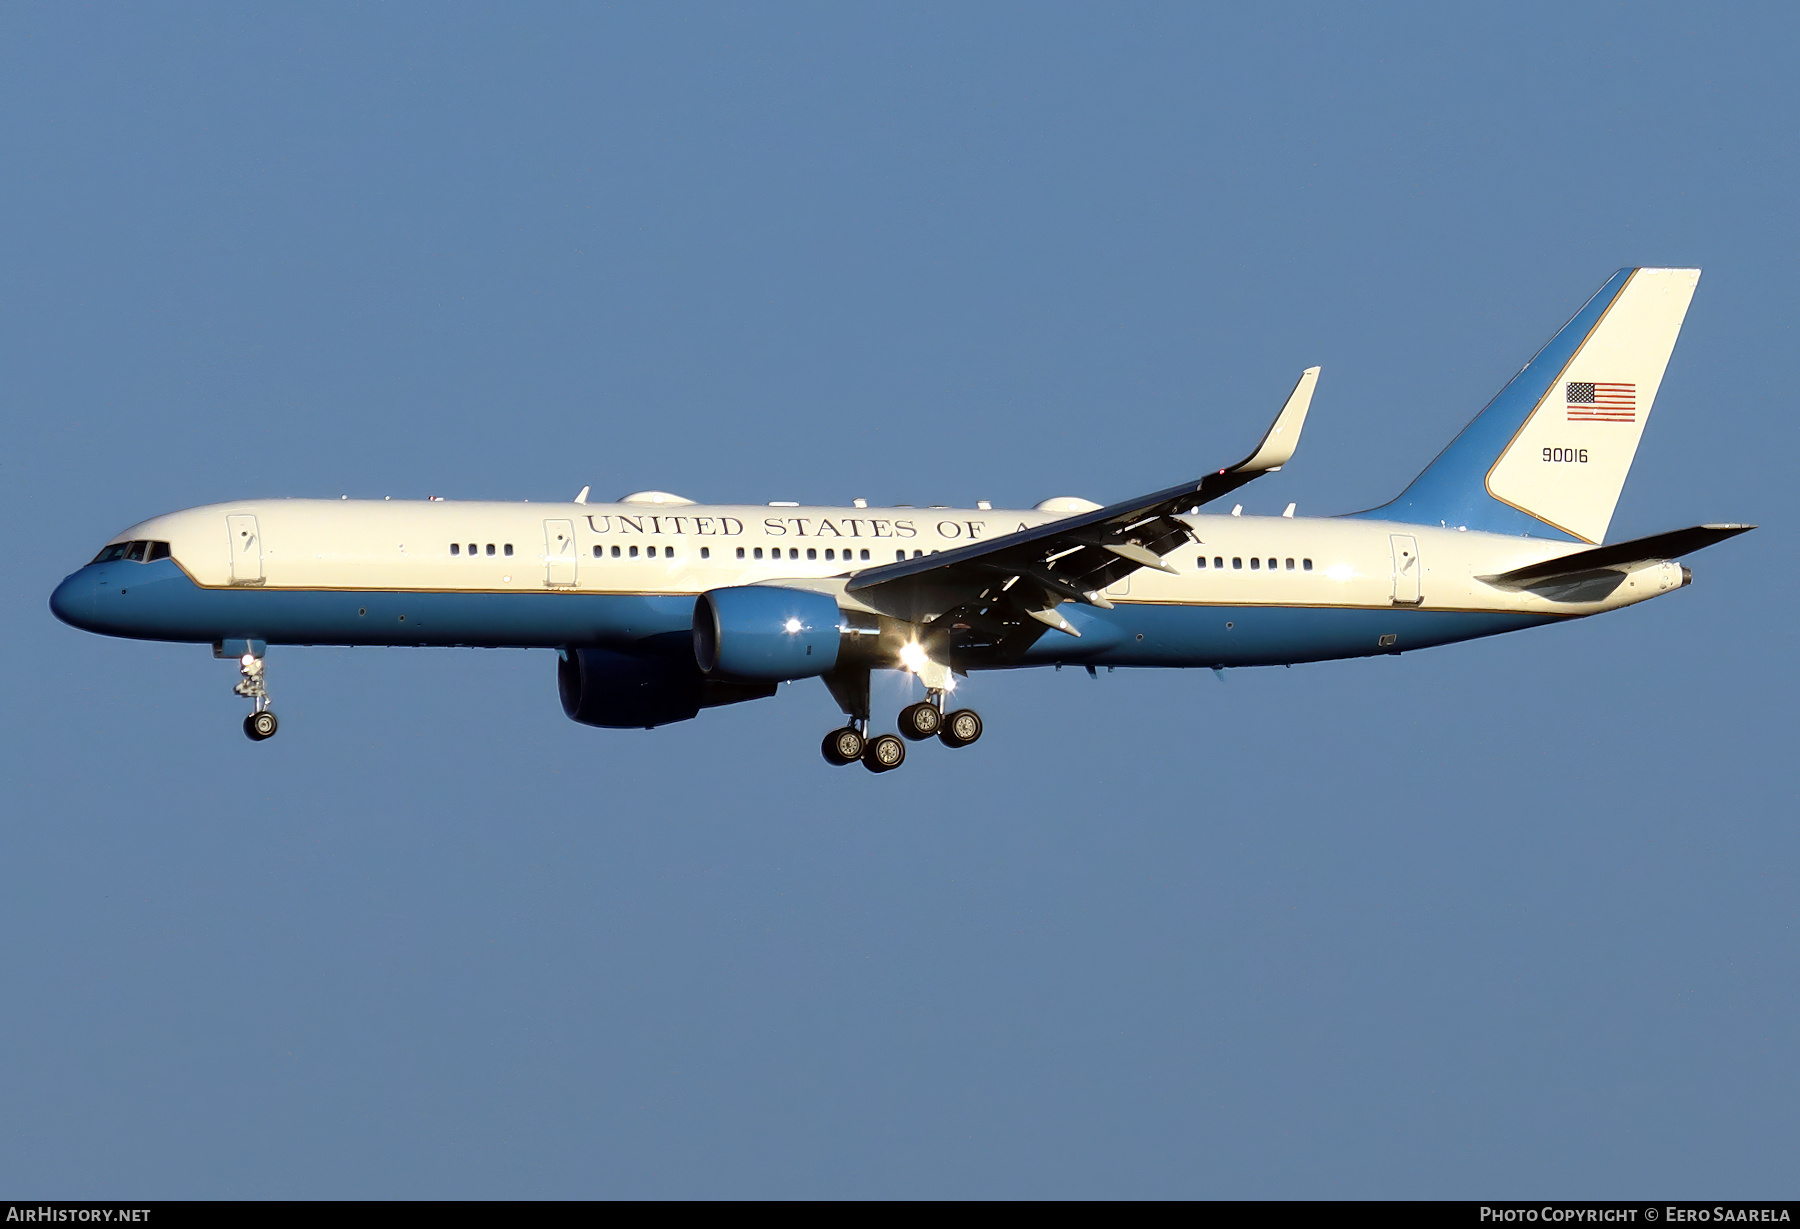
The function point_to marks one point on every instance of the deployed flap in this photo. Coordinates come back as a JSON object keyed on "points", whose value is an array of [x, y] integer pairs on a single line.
{"points": [[1620, 555], [1005, 587]]}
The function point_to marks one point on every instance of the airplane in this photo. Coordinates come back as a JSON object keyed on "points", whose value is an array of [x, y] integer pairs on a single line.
{"points": [[658, 606]]}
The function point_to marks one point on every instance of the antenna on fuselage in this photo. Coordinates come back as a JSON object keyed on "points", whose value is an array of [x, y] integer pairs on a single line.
{"points": [[582, 498]]}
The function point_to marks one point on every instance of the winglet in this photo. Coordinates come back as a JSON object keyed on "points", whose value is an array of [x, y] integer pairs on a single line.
{"points": [[1277, 447]]}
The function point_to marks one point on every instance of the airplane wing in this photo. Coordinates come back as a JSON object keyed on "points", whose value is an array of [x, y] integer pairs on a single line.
{"points": [[1655, 548], [1005, 592]]}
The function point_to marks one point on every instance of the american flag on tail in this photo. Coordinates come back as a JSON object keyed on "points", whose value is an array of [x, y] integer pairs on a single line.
{"points": [[1601, 402]]}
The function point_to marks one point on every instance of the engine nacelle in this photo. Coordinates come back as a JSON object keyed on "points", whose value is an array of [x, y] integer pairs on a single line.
{"points": [[624, 691], [765, 633]]}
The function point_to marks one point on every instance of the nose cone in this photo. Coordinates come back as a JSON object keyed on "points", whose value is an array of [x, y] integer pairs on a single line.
{"points": [[73, 602]]}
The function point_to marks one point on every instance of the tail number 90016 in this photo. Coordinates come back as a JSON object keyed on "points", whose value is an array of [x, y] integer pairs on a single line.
{"points": [[1576, 455]]}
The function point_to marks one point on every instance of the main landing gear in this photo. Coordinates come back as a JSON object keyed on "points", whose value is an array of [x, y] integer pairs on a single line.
{"points": [[927, 718], [261, 723], [882, 753], [885, 752]]}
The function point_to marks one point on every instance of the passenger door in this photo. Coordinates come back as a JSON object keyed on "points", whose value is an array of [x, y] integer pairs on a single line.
{"points": [[246, 550], [559, 553], [1407, 590]]}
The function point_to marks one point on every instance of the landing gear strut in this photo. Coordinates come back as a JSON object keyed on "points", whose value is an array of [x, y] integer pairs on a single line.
{"points": [[261, 723]]}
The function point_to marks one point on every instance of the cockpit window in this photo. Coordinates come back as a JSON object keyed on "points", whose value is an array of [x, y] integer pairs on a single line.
{"points": [[139, 551]]}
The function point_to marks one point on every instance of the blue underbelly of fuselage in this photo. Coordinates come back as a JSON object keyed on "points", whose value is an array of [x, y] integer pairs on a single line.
{"points": [[157, 601]]}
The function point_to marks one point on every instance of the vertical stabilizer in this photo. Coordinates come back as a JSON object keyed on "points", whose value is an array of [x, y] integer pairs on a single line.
{"points": [[1549, 455]]}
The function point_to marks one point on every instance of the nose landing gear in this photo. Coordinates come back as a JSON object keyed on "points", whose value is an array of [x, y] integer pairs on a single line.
{"points": [[261, 723]]}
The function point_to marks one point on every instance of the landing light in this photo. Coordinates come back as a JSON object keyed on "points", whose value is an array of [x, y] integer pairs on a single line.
{"points": [[913, 657], [792, 625]]}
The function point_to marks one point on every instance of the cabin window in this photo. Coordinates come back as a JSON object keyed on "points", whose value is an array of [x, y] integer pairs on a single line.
{"points": [[473, 549], [599, 550], [134, 551], [1203, 561], [812, 552], [615, 552], [917, 553], [456, 548], [706, 552], [1237, 561], [793, 552], [1271, 565], [1290, 565], [899, 554], [865, 553], [1306, 565], [759, 552], [158, 550], [1255, 564], [634, 552], [740, 552], [830, 554], [1218, 562], [509, 550]]}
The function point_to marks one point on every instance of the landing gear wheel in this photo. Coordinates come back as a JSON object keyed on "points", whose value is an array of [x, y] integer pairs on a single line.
{"points": [[843, 746], [960, 728], [884, 753], [258, 726], [920, 721]]}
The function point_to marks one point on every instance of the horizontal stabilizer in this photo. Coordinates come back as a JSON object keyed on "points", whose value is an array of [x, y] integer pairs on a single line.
{"points": [[1657, 547]]}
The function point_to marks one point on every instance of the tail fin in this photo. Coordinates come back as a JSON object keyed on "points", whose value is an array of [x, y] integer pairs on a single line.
{"points": [[1549, 455]]}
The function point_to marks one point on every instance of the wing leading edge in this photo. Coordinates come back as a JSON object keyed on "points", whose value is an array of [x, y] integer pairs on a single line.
{"points": [[1003, 594]]}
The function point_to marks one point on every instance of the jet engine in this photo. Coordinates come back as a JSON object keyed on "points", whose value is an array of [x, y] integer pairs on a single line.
{"points": [[765, 633], [622, 691]]}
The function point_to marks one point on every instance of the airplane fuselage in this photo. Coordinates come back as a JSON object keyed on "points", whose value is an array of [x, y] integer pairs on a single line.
{"points": [[1250, 590]]}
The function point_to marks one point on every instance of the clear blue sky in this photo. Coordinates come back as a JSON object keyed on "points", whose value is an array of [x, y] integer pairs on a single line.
{"points": [[1514, 918]]}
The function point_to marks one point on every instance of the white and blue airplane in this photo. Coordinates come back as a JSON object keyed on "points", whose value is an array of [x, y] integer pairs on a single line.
{"points": [[658, 606]]}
